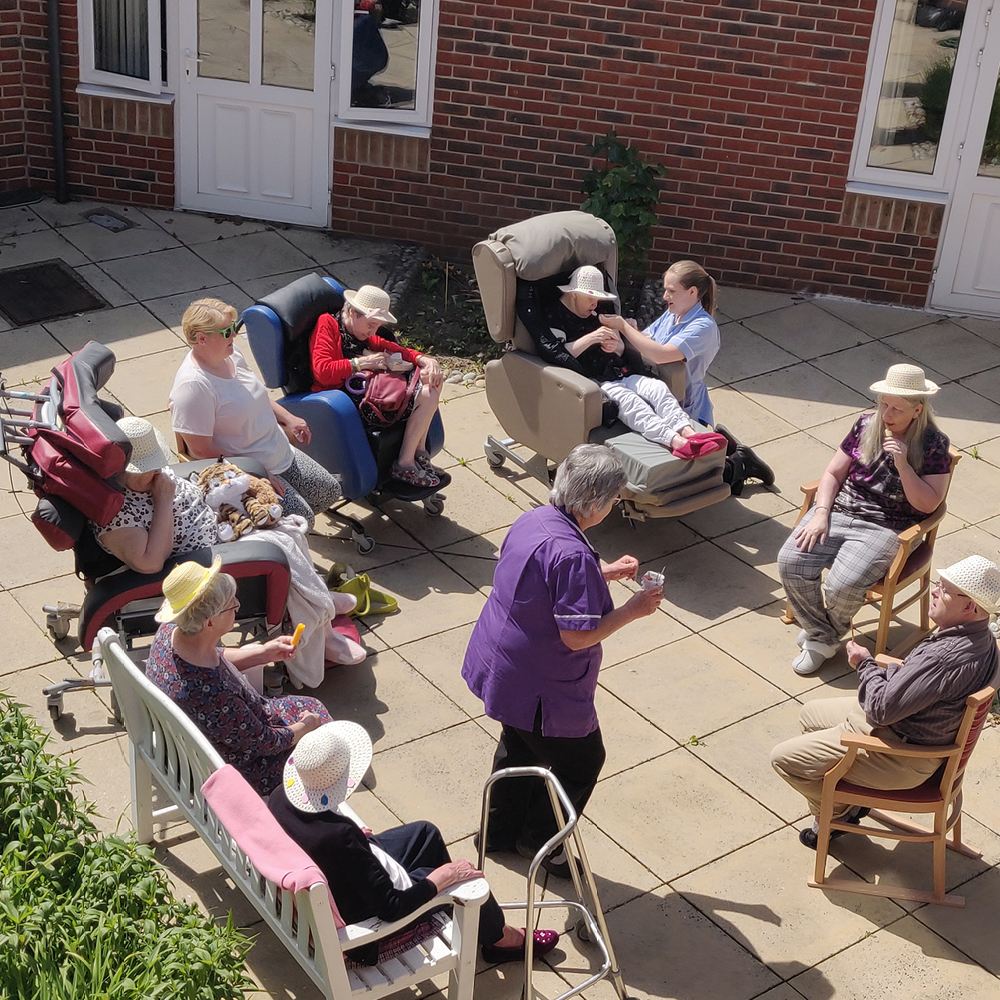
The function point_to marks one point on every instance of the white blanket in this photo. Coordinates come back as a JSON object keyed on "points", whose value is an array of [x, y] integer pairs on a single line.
{"points": [[309, 600]]}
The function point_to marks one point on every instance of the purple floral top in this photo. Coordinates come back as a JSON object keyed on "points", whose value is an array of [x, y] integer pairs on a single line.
{"points": [[875, 492], [248, 730]]}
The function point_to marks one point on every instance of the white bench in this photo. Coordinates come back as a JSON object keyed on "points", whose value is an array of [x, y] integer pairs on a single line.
{"points": [[165, 746]]}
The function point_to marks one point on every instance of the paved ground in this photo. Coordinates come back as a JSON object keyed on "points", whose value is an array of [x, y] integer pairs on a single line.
{"points": [[691, 835]]}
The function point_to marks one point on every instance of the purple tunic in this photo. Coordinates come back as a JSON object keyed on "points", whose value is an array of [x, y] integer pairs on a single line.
{"points": [[875, 492], [548, 578]]}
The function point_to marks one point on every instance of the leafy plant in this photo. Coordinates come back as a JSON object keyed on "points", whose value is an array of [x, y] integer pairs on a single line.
{"points": [[85, 916], [934, 103], [625, 194]]}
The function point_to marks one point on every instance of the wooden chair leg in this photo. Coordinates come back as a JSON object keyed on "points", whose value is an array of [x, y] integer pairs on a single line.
{"points": [[788, 618], [925, 602], [884, 621], [940, 851]]}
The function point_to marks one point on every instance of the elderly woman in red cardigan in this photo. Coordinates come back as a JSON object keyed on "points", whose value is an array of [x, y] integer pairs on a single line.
{"points": [[350, 343]]}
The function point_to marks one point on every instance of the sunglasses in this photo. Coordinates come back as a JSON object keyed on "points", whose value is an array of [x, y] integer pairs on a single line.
{"points": [[230, 331]]}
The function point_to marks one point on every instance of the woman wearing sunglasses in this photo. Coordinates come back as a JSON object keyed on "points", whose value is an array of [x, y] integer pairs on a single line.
{"points": [[218, 406]]}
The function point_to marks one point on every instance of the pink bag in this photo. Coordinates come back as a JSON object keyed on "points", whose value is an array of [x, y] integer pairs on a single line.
{"points": [[389, 397]]}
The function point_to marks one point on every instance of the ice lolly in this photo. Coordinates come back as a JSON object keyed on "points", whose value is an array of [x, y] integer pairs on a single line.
{"points": [[297, 634]]}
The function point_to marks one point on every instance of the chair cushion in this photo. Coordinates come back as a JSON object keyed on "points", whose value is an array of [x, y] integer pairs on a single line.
{"points": [[559, 241], [928, 793]]}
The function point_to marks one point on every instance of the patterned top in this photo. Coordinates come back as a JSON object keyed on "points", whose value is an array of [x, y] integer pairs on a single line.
{"points": [[875, 492], [246, 728], [195, 523]]}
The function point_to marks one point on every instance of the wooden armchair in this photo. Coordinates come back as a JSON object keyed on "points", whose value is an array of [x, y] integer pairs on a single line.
{"points": [[940, 795], [911, 565]]}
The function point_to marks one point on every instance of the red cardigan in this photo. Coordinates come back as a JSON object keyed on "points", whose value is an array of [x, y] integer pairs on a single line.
{"points": [[329, 366]]}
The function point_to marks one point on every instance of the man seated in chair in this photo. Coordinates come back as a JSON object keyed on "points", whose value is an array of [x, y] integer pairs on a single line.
{"points": [[920, 700]]}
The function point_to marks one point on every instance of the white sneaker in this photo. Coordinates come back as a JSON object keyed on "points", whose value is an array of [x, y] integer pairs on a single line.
{"points": [[800, 640], [813, 656]]}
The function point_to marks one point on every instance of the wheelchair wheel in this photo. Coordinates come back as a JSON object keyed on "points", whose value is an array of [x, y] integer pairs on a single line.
{"points": [[434, 505], [494, 459], [365, 543], [58, 626]]}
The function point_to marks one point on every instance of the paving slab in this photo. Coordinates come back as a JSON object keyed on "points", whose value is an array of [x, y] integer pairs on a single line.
{"points": [[947, 348], [859, 366], [253, 255], [439, 659], [27, 357], [100, 244], [877, 321], [167, 272], [191, 228], [806, 331], [131, 331], [736, 303], [750, 422], [744, 354]]}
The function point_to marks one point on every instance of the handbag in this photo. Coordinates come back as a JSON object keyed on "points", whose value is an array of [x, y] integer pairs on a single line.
{"points": [[389, 397]]}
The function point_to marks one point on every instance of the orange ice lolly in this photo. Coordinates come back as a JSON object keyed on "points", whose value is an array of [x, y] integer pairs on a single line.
{"points": [[297, 634]]}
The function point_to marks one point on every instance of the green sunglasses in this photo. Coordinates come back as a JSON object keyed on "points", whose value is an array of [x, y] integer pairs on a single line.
{"points": [[230, 331]]}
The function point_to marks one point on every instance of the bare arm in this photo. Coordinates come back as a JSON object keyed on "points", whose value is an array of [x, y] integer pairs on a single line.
{"points": [[295, 428], [199, 446], [652, 351], [640, 604], [142, 550], [807, 535], [925, 493]]}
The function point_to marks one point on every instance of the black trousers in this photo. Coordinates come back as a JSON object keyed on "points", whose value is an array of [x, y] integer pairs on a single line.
{"points": [[420, 848], [520, 810]]}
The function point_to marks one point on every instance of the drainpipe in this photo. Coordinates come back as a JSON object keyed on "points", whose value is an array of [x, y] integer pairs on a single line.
{"points": [[55, 96]]}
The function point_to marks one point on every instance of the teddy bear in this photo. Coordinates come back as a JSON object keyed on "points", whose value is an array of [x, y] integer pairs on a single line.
{"points": [[241, 502]]}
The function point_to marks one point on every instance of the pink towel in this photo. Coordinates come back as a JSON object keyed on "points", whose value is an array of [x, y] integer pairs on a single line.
{"points": [[260, 836], [700, 444]]}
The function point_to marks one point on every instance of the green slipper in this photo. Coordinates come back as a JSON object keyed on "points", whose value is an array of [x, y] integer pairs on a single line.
{"points": [[360, 587], [381, 603]]}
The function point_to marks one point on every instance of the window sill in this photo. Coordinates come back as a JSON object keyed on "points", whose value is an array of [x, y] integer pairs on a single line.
{"points": [[385, 128], [900, 193], [123, 94]]}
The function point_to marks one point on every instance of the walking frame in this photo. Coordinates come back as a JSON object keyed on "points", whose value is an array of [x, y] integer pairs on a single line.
{"points": [[591, 925]]}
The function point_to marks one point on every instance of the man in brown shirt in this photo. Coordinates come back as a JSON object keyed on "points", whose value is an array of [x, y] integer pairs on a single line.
{"points": [[920, 700]]}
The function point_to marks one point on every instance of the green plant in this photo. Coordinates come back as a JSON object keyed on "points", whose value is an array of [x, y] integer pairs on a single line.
{"points": [[624, 192], [934, 96], [85, 916]]}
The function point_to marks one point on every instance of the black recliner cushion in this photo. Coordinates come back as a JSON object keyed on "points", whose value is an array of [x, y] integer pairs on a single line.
{"points": [[298, 306]]}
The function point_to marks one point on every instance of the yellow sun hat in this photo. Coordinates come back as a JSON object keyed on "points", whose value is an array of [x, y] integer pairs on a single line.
{"points": [[184, 584]]}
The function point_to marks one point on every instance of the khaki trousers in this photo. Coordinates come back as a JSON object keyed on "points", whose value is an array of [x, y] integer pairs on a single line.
{"points": [[803, 760]]}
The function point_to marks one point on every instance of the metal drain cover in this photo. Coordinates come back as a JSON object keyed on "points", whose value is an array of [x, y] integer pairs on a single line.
{"points": [[47, 290], [108, 220]]}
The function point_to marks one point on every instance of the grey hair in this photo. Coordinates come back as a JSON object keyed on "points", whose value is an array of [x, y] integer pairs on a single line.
{"points": [[590, 477], [218, 594]]}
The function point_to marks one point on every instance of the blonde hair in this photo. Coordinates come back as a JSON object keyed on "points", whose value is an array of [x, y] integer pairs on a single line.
{"points": [[691, 274], [870, 445], [205, 315]]}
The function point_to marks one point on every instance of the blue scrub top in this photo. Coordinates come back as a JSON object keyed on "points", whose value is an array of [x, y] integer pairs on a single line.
{"points": [[697, 337]]}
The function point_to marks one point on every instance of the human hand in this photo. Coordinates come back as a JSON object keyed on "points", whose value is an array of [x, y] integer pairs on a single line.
{"points": [[430, 372], [454, 872], [624, 568], [374, 362], [279, 648], [584, 343], [162, 489], [644, 602], [610, 341], [276, 484], [310, 721], [815, 530], [855, 653], [366, 831], [298, 429], [896, 450]]}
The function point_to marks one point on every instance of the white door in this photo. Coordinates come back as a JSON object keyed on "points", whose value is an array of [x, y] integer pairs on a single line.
{"points": [[968, 272], [254, 109]]}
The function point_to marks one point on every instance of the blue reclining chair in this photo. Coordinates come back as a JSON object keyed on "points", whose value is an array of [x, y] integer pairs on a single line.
{"points": [[279, 327]]}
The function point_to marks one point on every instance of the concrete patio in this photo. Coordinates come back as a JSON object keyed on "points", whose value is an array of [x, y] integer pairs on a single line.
{"points": [[692, 837]]}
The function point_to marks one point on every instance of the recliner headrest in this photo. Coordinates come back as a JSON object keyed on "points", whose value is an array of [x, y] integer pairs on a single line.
{"points": [[301, 303], [559, 241]]}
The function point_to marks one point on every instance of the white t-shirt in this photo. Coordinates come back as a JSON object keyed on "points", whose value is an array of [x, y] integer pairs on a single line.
{"points": [[235, 412]]}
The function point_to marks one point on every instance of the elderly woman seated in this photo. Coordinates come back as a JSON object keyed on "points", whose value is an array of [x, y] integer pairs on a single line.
{"points": [[165, 516], [350, 343], [386, 875], [188, 663], [888, 473]]}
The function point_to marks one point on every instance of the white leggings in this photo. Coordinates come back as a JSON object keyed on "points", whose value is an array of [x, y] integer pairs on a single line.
{"points": [[646, 405]]}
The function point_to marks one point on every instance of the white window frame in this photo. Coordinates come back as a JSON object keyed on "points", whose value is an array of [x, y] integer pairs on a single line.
{"points": [[864, 177], [90, 74], [427, 39]]}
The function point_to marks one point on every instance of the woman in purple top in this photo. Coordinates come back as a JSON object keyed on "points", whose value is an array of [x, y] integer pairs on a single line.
{"points": [[890, 471], [536, 650]]}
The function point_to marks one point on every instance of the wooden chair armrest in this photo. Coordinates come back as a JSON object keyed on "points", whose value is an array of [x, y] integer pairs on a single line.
{"points": [[809, 497], [885, 660], [874, 745], [921, 528]]}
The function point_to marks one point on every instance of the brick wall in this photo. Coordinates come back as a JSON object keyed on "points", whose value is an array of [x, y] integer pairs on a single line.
{"points": [[751, 104], [118, 151]]}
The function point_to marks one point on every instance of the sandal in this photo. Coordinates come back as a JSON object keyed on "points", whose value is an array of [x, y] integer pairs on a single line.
{"points": [[370, 601], [415, 477], [424, 461]]}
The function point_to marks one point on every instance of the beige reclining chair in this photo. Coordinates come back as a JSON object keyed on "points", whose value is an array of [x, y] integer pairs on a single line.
{"points": [[550, 410]]}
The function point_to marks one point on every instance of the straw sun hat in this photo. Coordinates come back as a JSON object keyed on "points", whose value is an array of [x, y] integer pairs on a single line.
{"points": [[904, 380], [978, 578], [184, 584], [372, 301], [149, 448], [589, 280], [326, 766]]}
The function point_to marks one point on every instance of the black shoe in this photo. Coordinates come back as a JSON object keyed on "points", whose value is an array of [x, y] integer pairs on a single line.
{"points": [[731, 443], [557, 868], [753, 467], [810, 838], [734, 474]]}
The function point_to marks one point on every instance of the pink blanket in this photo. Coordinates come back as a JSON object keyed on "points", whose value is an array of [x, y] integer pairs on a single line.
{"points": [[274, 854]]}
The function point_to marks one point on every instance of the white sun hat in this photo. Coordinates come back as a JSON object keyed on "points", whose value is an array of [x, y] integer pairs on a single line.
{"points": [[372, 301], [326, 766], [589, 280], [904, 380], [978, 578], [149, 448]]}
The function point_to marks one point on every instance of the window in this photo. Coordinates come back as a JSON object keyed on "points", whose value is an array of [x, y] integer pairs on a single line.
{"points": [[385, 69], [123, 44], [910, 112]]}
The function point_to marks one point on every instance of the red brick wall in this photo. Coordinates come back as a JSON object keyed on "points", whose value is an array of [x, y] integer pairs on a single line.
{"points": [[751, 104], [119, 151]]}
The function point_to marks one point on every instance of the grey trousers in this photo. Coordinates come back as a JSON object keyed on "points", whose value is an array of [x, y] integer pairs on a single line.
{"points": [[803, 760], [646, 405], [309, 488], [857, 554]]}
